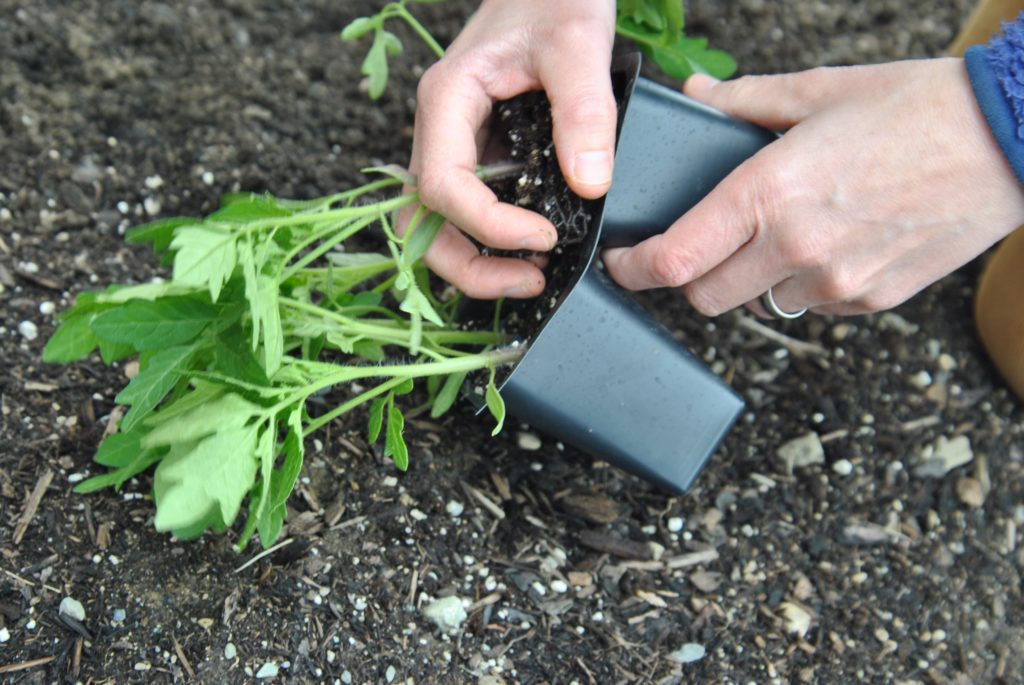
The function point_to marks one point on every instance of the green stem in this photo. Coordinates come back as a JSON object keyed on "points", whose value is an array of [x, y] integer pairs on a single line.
{"points": [[401, 11], [351, 404], [322, 249]]}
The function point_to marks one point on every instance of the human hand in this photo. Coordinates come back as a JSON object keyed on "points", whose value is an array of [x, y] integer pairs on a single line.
{"points": [[508, 48], [887, 179]]}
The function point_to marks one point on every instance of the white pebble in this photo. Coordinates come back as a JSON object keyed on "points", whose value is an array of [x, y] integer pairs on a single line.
{"points": [[688, 653], [5, 635], [154, 182], [675, 524], [46, 308], [268, 670], [28, 330], [447, 613], [528, 441], [72, 608], [152, 206], [454, 508], [559, 586], [390, 482], [389, 674], [208, 178], [417, 515], [119, 615], [843, 467], [922, 379]]}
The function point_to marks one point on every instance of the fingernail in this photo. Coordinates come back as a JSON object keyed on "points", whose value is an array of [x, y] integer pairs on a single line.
{"points": [[536, 243], [699, 85], [593, 167]]}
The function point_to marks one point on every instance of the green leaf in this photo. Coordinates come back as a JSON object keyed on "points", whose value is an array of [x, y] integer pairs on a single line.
{"points": [[146, 291], [157, 324], [448, 394], [369, 350], [140, 461], [201, 393], [206, 256], [245, 207], [111, 352], [267, 317], [415, 302], [227, 412], [195, 481], [158, 233], [73, 340], [394, 443], [375, 66], [422, 238], [358, 28], [688, 56], [119, 449], [405, 387], [495, 404], [376, 420], [232, 356], [348, 270], [152, 383]]}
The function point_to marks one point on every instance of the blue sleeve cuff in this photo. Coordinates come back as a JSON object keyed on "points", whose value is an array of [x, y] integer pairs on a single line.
{"points": [[997, 77]]}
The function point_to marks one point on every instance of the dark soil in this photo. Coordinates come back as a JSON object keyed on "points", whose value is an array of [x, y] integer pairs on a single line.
{"points": [[857, 569]]}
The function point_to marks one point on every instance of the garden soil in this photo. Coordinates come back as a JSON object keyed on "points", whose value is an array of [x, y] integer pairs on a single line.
{"points": [[862, 522]]}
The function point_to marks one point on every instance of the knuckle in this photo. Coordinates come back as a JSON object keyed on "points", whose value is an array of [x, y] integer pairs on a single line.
{"points": [[839, 285], [703, 300], [670, 267]]}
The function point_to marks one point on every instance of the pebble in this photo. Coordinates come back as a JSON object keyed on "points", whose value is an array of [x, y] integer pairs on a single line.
{"points": [[454, 508], [806, 450], [46, 308], [947, 362], [5, 635], [72, 608], [970, 492], [268, 670], [28, 330], [675, 524], [944, 456], [346, 678], [921, 379], [230, 651], [119, 615], [446, 613], [528, 441], [688, 653], [389, 675], [559, 586], [843, 467], [796, 618], [152, 206], [417, 515]]}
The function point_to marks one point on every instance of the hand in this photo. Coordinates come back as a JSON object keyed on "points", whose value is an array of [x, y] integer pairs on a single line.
{"points": [[510, 47], [887, 179]]}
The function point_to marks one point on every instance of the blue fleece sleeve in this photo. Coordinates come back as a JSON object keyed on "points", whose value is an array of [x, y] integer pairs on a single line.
{"points": [[997, 77]]}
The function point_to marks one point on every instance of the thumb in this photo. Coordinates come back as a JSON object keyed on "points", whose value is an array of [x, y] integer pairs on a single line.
{"points": [[584, 117]]}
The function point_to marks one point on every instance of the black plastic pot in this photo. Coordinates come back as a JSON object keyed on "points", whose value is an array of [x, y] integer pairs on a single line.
{"points": [[602, 374]]}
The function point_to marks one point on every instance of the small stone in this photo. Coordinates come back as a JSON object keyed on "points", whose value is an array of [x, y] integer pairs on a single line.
{"points": [[72, 608], [446, 613], [390, 482], [268, 670], [806, 450], [894, 322], [46, 308], [118, 615], [921, 379], [205, 623], [154, 182], [841, 331], [843, 467], [454, 508], [417, 515], [688, 653], [28, 330], [346, 678], [389, 674], [947, 362], [970, 492], [796, 618], [674, 524], [944, 456], [528, 441], [559, 586], [230, 651], [882, 635], [152, 206], [5, 635]]}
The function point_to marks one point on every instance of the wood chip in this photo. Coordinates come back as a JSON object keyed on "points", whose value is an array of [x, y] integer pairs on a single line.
{"points": [[692, 559], [592, 507], [181, 657], [487, 503], [627, 549], [36, 386], [25, 665], [31, 505], [651, 598]]}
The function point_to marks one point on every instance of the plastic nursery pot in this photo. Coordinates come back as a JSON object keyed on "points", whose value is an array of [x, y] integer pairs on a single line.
{"points": [[601, 373]]}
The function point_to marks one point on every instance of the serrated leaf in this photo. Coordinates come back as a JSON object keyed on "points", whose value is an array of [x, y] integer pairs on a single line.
{"points": [[158, 233], [246, 207], [376, 420], [226, 412], [153, 325], [146, 291], [495, 404], [448, 394], [394, 442], [119, 449], [357, 28], [206, 256], [152, 383], [73, 340], [688, 56], [111, 352], [139, 462], [210, 477], [232, 356]]}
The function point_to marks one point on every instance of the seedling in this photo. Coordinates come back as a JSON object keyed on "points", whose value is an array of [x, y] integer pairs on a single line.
{"points": [[267, 309]]}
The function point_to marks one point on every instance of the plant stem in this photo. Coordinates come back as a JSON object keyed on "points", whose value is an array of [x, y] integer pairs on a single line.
{"points": [[321, 421], [401, 11]]}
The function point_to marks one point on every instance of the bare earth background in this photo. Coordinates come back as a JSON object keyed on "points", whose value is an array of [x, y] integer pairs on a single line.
{"points": [[885, 563]]}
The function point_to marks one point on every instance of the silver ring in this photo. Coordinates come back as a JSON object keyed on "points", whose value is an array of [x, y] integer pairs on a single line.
{"points": [[768, 302]]}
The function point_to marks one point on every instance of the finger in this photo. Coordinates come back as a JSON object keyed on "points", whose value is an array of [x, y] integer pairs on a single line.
{"points": [[583, 105], [721, 223], [783, 100], [450, 113], [455, 259]]}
